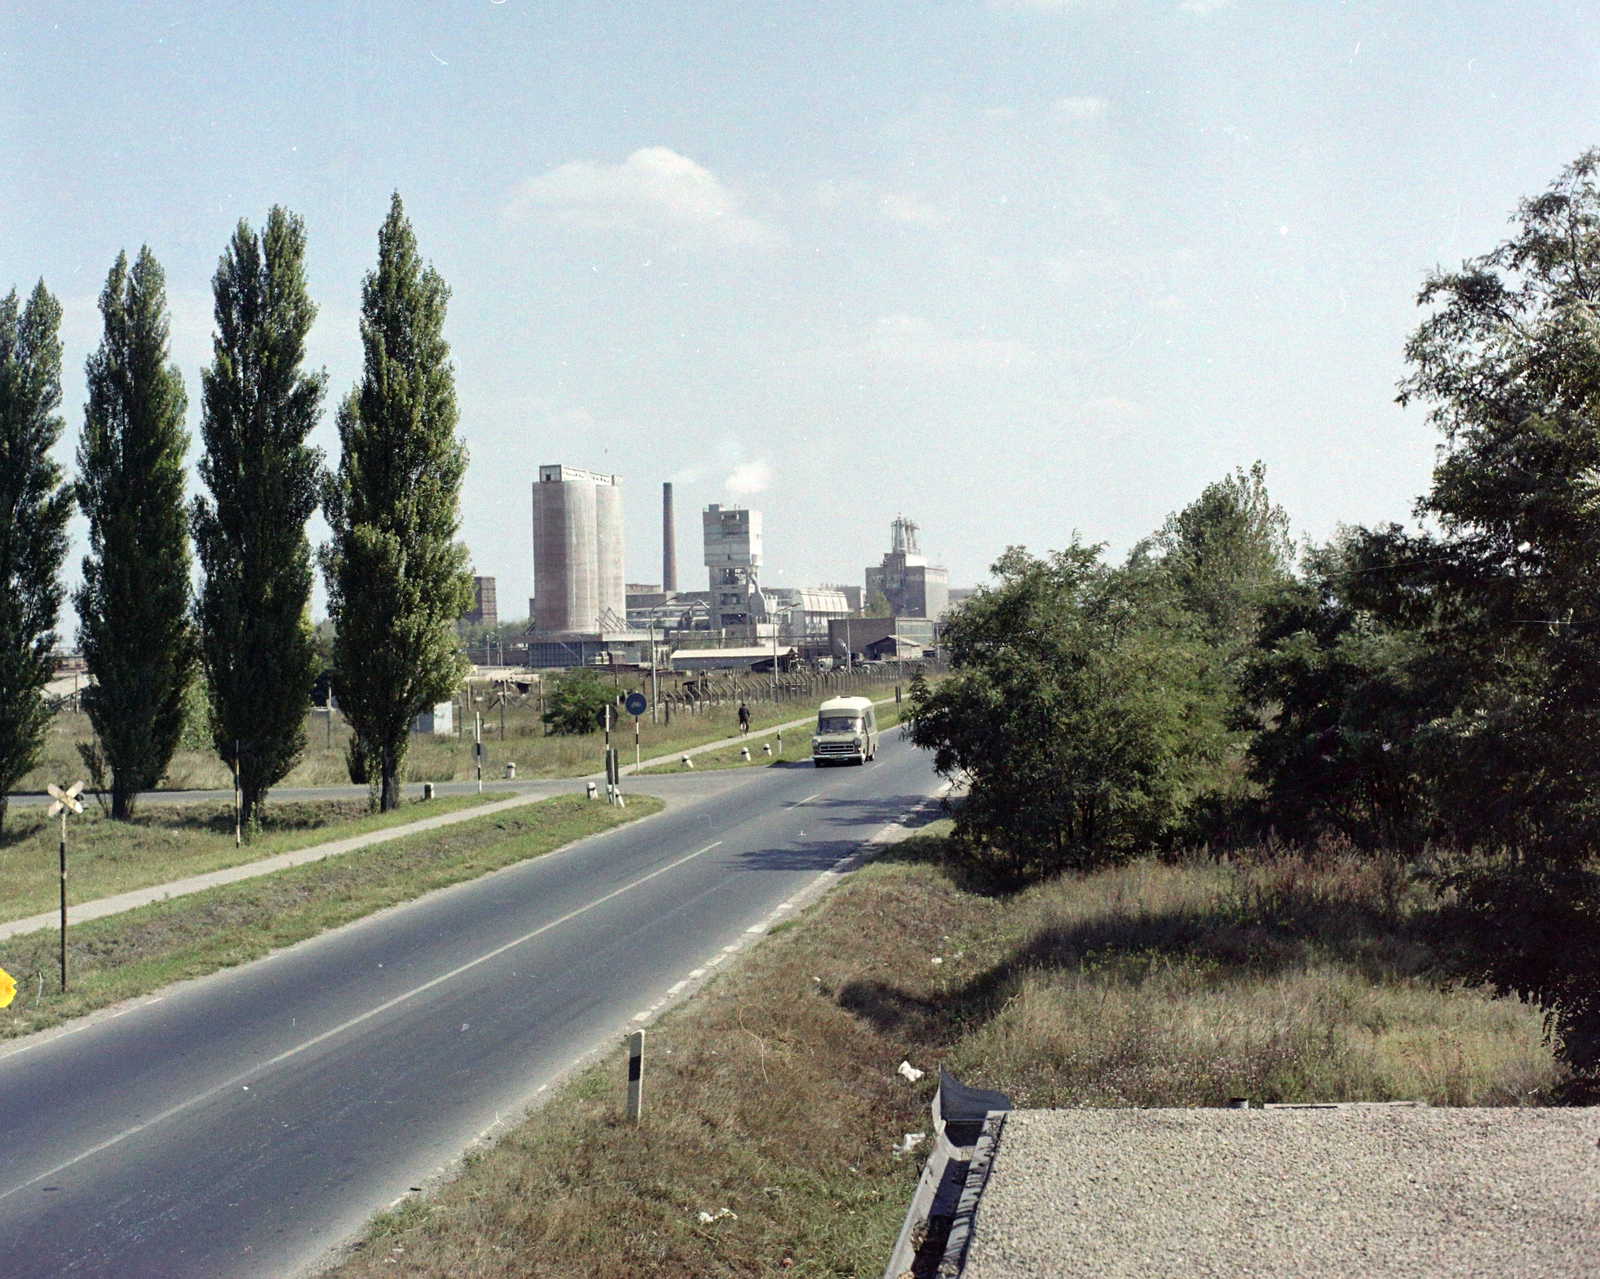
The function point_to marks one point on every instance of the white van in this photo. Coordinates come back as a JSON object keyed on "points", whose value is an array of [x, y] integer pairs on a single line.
{"points": [[847, 731]]}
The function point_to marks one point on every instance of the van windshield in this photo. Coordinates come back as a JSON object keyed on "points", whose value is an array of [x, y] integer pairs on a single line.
{"points": [[838, 724]]}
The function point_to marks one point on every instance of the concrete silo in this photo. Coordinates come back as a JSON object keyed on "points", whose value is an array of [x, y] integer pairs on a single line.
{"points": [[577, 552]]}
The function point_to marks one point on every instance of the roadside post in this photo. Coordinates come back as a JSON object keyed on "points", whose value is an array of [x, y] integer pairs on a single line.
{"points": [[635, 1075], [635, 706], [611, 797], [477, 745], [655, 688], [65, 801]]}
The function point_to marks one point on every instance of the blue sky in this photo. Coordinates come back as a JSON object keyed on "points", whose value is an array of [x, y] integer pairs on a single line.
{"points": [[1014, 269]]}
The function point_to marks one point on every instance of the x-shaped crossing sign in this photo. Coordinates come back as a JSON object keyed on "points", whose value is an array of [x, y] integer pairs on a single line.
{"points": [[65, 798]]}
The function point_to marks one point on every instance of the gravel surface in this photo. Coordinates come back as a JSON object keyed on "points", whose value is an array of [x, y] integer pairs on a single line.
{"points": [[1375, 1191]]}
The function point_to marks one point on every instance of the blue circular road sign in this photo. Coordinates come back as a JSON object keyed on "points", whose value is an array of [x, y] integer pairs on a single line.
{"points": [[636, 704]]}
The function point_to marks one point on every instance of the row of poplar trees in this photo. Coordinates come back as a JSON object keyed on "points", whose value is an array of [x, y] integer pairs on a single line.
{"points": [[397, 577]]}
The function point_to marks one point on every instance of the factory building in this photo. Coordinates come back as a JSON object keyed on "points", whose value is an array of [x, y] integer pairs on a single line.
{"points": [[733, 563], [913, 587], [577, 553]]}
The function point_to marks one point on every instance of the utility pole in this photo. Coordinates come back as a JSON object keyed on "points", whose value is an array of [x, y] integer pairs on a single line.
{"points": [[235, 795]]}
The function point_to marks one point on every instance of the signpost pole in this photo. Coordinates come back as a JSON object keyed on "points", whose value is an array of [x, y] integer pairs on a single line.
{"points": [[65, 801], [236, 840], [477, 745], [655, 688], [63, 897]]}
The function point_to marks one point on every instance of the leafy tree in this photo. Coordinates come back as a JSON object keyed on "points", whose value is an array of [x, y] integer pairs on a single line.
{"points": [[1072, 712], [1226, 553], [34, 508], [1509, 363], [877, 605], [397, 578], [573, 705], [133, 606], [258, 407], [1342, 699]]}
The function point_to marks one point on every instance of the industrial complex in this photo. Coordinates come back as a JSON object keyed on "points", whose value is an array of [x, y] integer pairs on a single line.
{"points": [[583, 612]]}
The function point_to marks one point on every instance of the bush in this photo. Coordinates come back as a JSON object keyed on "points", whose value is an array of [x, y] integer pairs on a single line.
{"points": [[574, 704]]}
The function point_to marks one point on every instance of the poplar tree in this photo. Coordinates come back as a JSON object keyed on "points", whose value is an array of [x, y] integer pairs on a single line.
{"points": [[133, 606], [397, 578], [257, 408], [34, 508]]}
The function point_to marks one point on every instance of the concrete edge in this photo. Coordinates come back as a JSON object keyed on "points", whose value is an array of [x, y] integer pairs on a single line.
{"points": [[960, 1238]]}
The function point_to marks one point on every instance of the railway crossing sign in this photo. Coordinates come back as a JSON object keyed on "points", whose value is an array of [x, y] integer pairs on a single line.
{"points": [[636, 705], [65, 799]]}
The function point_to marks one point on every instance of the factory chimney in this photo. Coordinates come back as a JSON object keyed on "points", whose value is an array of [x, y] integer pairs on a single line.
{"points": [[669, 543]]}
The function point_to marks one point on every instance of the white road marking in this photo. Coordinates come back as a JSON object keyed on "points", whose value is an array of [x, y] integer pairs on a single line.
{"points": [[806, 800], [676, 987], [234, 1083]]}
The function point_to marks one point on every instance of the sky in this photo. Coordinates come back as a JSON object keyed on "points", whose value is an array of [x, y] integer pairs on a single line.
{"points": [[1017, 269]]}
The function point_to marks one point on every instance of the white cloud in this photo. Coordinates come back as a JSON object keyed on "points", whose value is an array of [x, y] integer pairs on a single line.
{"points": [[911, 210], [655, 190], [1204, 6], [1081, 108], [748, 478], [910, 339]]}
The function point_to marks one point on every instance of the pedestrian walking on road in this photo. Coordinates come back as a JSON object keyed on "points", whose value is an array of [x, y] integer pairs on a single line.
{"points": [[744, 720]]}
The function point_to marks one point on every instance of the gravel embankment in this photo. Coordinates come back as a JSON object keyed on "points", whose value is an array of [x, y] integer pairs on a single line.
{"points": [[1292, 1193]]}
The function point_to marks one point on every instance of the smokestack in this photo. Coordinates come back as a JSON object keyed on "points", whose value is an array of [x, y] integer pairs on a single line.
{"points": [[669, 543]]}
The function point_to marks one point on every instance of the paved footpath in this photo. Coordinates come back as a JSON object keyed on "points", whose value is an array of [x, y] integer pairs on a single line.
{"points": [[103, 906]]}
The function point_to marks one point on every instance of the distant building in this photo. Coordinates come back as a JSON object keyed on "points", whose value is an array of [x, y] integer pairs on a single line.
{"points": [[880, 638], [577, 553], [913, 587], [853, 595], [803, 613], [733, 563], [484, 611]]}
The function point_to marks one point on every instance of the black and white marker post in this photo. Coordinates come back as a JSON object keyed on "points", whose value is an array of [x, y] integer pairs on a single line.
{"points": [[635, 1075], [65, 801]]}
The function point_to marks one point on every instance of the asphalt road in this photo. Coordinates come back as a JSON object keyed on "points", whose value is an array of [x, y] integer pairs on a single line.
{"points": [[245, 1123]]}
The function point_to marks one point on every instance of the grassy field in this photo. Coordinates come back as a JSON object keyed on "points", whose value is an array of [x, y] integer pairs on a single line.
{"points": [[119, 957], [443, 759], [773, 1095], [164, 842]]}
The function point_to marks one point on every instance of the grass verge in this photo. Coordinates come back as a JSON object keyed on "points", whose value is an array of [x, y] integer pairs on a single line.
{"points": [[164, 842], [519, 738], [122, 956], [773, 1095]]}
